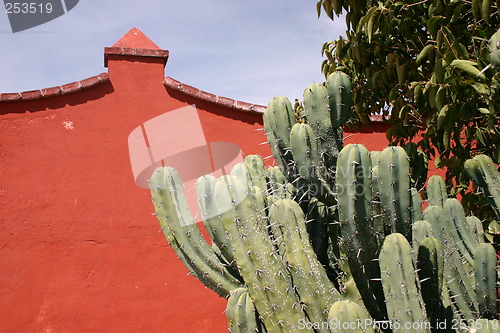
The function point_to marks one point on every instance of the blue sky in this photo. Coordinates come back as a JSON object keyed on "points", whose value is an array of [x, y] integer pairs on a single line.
{"points": [[246, 50]]}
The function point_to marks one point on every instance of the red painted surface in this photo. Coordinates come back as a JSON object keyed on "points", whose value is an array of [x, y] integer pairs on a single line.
{"points": [[80, 250]]}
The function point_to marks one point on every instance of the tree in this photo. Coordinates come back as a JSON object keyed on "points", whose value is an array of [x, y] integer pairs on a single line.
{"points": [[424, 65]]}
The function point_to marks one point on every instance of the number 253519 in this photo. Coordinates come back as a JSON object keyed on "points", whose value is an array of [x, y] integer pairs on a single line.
{"points": [[28, 8]]}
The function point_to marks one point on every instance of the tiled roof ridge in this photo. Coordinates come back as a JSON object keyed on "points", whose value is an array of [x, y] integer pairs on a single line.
{"points": [[244, 106], [55, 91], [168, 81], [206, 96]]}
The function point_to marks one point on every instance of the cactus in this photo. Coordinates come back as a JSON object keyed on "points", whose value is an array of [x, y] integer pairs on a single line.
{"points": [[326, 110], [418, 162], [259, 263], [477, 227], [354, 195], [263, 254], [315, 290], [339, 93], [452, 230], [494, 47], [241, 313], [349, 317], [400, 283], [394, 185], [416, 205], [430, 265], [279, 118], [184, 236], [306, 157], [325, 236], [483, 172], [436, 191], [485, 262]]}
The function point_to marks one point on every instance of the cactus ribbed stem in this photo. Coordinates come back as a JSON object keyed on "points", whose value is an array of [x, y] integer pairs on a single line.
{"points": [[394, 185], [354, 195], [399, 280], [184, 236]]}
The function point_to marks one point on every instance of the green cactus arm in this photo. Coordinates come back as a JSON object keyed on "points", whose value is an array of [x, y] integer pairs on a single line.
{"points": [[420, 230], [184, 236], [339, 93], [241, 313], [262, 268], [315, 290], [457, 227], [232, 308], [458, 271], [375, 156], [477, 228], [246, 316], [434, 215], [430, 266], [354, 196], [252, 170], [394, 185], [483, 172], [329, 138], [324, 231], [279, 118], [378, 211], [485, 263], [208, 204], [349, 317], [419, 165], [317, 109], [436, 191], [404, 300], [305, 154], [416, 205], [277, 184], [230, 192]]}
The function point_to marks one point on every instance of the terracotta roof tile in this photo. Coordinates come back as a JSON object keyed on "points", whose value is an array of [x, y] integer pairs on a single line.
{"points": [[55, 91]]}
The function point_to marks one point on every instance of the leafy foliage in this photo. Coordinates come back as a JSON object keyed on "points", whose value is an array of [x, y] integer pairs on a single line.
{"points": [[424, 65]]}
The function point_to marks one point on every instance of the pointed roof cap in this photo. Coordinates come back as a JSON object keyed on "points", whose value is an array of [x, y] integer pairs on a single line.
{"points": [[137, 44], [136, 39]]}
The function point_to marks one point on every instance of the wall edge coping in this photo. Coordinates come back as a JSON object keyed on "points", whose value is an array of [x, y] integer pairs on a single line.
{"points": [[127, 51], [55, 91], [168, 82], [229, 102], [206, 96]]}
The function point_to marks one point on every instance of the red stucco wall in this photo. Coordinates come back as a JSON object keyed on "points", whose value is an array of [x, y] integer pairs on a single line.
{"points": [[79, 248]]}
